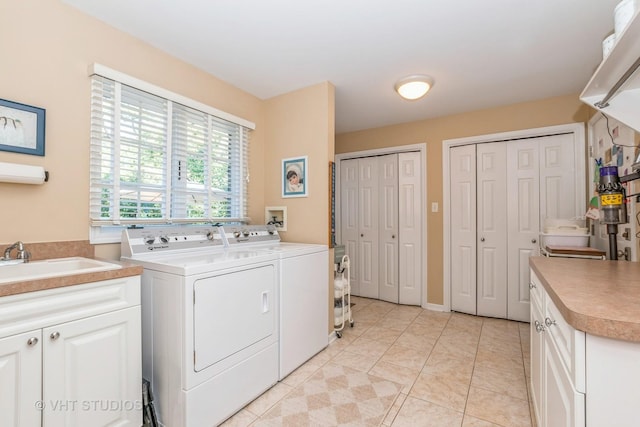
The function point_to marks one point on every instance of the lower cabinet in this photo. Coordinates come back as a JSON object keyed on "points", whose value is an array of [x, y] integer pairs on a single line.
{"points": [[557, 364], [80, 362]]}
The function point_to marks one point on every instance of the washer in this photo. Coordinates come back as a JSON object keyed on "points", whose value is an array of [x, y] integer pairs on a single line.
{"points": [[304, 292], [209, 322]]}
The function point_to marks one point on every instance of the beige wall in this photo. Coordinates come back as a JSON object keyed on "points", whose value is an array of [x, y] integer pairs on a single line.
{"points": [[301, 124], [47, 50], [547, 112]]}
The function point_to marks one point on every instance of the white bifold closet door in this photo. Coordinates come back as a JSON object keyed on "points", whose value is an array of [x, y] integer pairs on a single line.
{"points": [[499, 194], [380, 225]]}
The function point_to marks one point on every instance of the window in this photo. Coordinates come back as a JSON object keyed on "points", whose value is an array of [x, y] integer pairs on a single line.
{"points": [[159, 158]]}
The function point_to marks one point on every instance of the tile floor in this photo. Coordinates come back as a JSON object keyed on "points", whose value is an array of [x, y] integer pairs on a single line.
{"points": [[405, 366]]}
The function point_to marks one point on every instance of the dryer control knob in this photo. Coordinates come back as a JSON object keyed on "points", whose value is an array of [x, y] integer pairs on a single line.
{"points": [[149, 240], [245, 233], [210, 235], [164, 239], [236, 234]]}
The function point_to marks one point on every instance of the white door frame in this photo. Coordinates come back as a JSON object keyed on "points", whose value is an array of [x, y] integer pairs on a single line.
{"points": [[422, 148], [578, 130]]}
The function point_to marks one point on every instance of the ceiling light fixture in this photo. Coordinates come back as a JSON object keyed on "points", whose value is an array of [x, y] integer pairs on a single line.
{"points": [[414, 87]]}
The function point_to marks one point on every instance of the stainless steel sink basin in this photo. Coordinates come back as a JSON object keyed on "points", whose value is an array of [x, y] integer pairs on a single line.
{"points": [[52, 268]]}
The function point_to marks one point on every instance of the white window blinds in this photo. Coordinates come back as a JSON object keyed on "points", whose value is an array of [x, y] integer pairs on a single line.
{"points": [[154, 160]]}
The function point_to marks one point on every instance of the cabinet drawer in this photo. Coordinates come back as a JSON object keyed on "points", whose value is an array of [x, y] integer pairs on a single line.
{"points": [[569, 342], [35, 310], [536, 290]]}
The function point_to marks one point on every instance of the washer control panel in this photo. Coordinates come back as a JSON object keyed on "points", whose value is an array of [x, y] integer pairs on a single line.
{"points": [[239, 234], [170, 238]]}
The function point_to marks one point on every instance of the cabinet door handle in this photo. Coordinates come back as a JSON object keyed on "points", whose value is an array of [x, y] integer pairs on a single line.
{"points": [[539, 327], [482, 239], [532, 285], [533, 240], [32, 341], [361, 234], [549, 322], [55, 335]]}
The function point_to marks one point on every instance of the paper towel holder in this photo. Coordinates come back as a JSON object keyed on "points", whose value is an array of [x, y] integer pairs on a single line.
{"points": [[23, 174]]}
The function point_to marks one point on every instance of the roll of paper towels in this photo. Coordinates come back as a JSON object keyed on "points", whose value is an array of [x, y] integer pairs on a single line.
{"points": [[22, 174]]}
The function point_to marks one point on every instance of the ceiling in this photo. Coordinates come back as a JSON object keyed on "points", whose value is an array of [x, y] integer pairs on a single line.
{"points": [[481, 54]]}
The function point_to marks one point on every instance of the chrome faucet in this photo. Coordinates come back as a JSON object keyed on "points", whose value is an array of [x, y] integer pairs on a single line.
{"points": [[21, 252]]}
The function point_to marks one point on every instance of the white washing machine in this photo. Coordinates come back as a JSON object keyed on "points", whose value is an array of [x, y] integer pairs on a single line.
{"points": [[304, 292], [209, 322]]}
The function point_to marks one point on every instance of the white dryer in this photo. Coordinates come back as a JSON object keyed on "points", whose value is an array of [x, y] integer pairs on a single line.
{"points": [[304, 292], [209, 322]]}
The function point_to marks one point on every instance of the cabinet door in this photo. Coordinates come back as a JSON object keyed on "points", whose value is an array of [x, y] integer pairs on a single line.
{"points": [[21, 379], [537, 360], [563, 405], [92, 371]]}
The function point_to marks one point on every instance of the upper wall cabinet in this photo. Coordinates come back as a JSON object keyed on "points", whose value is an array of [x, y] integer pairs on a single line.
{"points": [[614, 88]]}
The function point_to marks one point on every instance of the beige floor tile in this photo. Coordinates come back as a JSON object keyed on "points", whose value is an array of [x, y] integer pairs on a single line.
{"points": [[470, 421], [395, 324], [242, 418], [418, 413], [298, 376], [395, 373], [368, 347], [405, 356], [450, 392], [361, 362], [391, 415], [448, 364], [500, 362], [266, 400], [498, 408], [382, 334], [462, 348], [416, 341], [500, 382], [424, 330]]}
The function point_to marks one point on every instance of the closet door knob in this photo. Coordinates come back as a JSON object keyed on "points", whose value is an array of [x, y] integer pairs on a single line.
{"points": [[393, 236], [533, 240], [482, 239], [362, 235]]}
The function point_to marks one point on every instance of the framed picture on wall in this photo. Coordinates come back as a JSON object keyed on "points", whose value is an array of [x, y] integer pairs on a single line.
{"points": [[21, 128], [294, 177]]}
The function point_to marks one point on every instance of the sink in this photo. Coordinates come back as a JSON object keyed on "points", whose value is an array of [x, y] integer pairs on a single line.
{"points": [[52, 268]]}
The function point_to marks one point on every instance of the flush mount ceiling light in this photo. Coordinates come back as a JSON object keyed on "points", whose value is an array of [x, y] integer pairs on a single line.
{"points": [[414, 87]]}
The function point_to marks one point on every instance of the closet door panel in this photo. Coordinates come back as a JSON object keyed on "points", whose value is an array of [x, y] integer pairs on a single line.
{"points": [[349, 215], [462, 169], [557, 177], [524, 222], [411, 256], [388, 225], [492, 230], [367, 260]]}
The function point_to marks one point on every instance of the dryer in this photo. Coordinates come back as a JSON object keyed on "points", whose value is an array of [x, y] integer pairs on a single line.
{"points": [[303, 294], [209, 322]]}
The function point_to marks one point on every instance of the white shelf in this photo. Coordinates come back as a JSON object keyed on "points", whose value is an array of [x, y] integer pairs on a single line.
{"points": [[625, 102]]}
